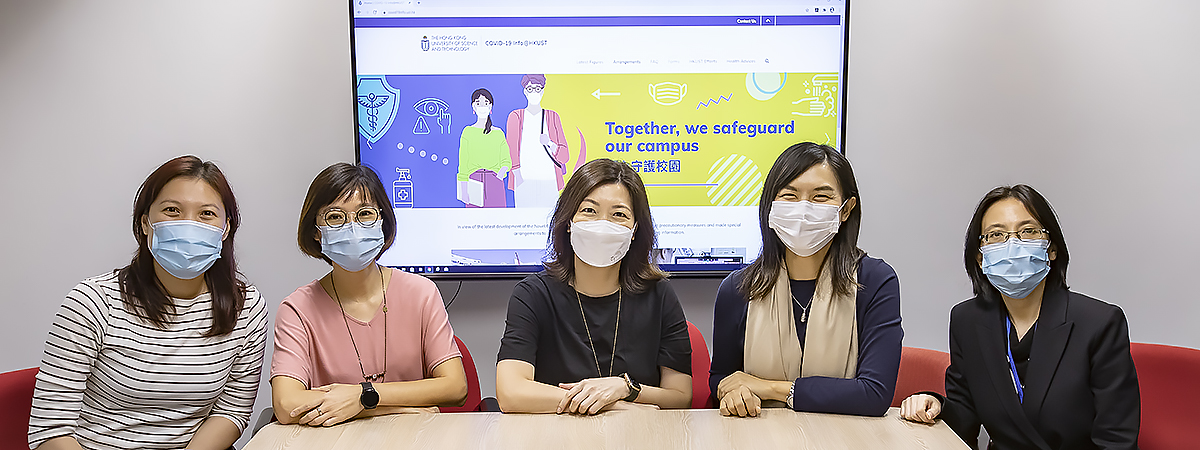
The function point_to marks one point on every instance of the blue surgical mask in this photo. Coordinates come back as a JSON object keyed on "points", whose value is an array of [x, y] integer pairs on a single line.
{"points": [[1016, 266], [352, 246], [185, 248]]}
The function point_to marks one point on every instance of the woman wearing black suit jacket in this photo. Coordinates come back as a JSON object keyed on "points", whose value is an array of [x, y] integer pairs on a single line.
{"points": [[1039, 366]]}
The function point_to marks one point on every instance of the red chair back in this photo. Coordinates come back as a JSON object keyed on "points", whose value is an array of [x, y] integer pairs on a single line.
{"points": [[472, 381], [921, 369], [16, 399], [700, 366], [1169, 381]]}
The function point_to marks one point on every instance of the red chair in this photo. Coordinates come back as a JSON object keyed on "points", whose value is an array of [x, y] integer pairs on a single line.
{"points": [[1169, 381], [16, 399], [700, 365], [473, 395], [921, 369]]}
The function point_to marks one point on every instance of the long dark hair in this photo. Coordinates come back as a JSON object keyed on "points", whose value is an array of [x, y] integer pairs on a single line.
{"points": [[761, 275], [338, 182], [1041, 211], [141, 290], [638, 271], [481, 92]]}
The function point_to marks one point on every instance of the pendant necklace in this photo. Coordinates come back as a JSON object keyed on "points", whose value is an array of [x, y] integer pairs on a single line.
{"points": [[375, 377], [589, 334], [803, 309]]}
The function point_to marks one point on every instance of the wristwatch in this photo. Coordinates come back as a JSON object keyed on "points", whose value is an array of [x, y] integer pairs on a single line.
{"points": [[369, 398], [635, 388]]}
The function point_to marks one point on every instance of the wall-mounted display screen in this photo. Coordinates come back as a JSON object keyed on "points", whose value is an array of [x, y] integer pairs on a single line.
{"points": [[475, 113]]}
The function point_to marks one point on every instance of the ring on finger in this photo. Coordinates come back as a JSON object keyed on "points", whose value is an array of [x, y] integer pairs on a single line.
{"points": [[318, 411]]}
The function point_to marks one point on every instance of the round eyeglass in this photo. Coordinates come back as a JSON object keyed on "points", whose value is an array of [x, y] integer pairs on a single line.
{"points": [[365, 216], [533, 88], [1027, 233]]}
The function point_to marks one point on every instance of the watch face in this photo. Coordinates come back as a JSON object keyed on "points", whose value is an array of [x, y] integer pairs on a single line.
{"points": [[370, 398]]}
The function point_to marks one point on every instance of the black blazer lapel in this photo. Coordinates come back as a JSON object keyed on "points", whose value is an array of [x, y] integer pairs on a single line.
{"points": [[1049, 343], [995, 357]]}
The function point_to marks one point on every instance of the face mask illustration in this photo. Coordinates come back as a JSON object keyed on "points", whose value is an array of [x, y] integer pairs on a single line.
{"points": [[668, 93]]}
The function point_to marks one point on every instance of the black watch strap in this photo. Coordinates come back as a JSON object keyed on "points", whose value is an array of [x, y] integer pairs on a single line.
{"points": [[369, 398], [635, 388]]}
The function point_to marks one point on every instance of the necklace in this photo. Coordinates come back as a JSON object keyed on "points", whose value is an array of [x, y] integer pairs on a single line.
{"points": [[375, 377], [803, 309], [589, 334]]}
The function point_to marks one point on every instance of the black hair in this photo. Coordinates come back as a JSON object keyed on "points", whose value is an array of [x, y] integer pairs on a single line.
{"points": [[638, 271], [337, 182], [844, 254], [142, 293], [1041, 211], [481, 92]]}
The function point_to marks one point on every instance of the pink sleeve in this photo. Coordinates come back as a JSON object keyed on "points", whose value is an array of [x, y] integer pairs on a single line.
{"points": [[554, 128], [513, 136], [438, 335], [293, 346]]}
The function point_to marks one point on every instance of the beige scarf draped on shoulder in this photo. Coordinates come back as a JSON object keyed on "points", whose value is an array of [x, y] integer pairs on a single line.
{"points": [[772, 349]]}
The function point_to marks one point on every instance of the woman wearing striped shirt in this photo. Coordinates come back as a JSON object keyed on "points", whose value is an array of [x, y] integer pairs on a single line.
{"points": [[167, 351]]}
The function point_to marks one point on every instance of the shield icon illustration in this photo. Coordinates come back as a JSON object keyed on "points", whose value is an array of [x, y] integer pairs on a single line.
{"points": [[377, 106]]}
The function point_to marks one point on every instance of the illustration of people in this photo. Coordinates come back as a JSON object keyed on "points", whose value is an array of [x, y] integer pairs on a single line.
{"points": [[538, 149], [483, 156]]}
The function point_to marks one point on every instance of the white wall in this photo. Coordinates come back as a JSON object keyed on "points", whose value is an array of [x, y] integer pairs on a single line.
{"points": [[95, 95], [1092, 102]]}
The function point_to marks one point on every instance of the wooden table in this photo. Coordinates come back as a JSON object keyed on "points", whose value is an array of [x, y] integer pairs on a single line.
{"points": [[671, 429]]}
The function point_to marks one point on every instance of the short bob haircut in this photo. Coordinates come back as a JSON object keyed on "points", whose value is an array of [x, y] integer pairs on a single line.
{"points": [[638, 271], [844, 254], [141, 290], [339, 182], [1041, 211]]}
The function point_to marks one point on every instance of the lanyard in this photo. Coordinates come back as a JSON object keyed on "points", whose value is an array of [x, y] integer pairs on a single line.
{"points": [[1012, 366]]}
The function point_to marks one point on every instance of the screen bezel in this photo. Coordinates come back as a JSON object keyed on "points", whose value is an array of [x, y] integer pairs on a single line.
{"points": [[496, 272]]}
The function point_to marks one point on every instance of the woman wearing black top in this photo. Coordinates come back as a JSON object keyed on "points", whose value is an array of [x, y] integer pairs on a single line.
{"points": [[1037, 365], [601, 324]]}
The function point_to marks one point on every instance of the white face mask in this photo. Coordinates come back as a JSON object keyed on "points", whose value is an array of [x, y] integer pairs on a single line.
{"points": [[534, 98], [483, 111], [600, 243], [804, 227]]}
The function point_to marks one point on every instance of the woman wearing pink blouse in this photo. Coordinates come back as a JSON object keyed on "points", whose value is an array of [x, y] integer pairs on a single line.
{"points": [[363, 340]]}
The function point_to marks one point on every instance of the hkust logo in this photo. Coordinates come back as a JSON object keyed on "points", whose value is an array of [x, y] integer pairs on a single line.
{"points": [[424, 43], [377, 106]]}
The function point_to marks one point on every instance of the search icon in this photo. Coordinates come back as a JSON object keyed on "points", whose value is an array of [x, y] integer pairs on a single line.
{"points": [[768, 61]]}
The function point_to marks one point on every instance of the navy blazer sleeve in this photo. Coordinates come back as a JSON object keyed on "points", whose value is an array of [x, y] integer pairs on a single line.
{"points": [[870, 392], [729, 333]]}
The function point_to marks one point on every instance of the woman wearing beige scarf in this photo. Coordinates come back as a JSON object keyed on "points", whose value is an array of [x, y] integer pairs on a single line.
{"points": [[814, 323]]}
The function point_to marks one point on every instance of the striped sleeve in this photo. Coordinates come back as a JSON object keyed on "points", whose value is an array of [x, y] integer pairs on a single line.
{"points": [[71, 348], [236, 401]]}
